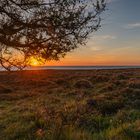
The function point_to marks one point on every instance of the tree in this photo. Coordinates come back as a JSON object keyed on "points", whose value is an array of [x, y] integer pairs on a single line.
{"points": [[45, 29]]}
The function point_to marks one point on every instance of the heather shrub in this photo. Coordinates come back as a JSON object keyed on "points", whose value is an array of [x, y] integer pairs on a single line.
{"points": [[133, 131], [83, 84], [119, 83], [93, 123], [125, 91], [100, 78], [122, 76], [110, 107], [4, 89], [91, 103], [108, 87], [41, 83], [131, 94], [62, 82], [124, 116], [136, 104], [134, 84]]}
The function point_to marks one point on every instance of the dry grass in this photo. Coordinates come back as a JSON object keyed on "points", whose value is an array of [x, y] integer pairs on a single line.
{"points": [[70, 105]]}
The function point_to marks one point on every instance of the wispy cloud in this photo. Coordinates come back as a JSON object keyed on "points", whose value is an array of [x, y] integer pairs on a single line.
{"points": [[109, 1], [96, 48], [133, 25], [108, 37], [104, 37]]}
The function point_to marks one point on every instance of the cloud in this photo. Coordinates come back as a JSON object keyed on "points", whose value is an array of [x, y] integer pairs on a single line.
{"points": [[96, 42], [133, 25], [108, 37], [109, 1], [104, 37], [97, 48], [94, 46]]}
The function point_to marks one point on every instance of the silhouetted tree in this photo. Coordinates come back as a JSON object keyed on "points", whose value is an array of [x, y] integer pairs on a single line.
{"points": [[45, 29]]}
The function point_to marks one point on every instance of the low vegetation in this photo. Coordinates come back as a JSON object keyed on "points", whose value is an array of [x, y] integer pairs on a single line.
{"points": [[70, 105]]}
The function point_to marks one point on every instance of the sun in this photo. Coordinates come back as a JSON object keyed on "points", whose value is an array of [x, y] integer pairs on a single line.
{"points": [[34, 62]]}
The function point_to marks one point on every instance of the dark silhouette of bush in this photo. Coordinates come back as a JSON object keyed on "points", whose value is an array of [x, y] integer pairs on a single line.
{"points": [[100, 78], [93, 123], [136, 104], [108, 87], [131, 93], [122, 76], [133, 131], [110, 107], [134, 84], [91, 104], [62, 82], [83, 84], [41, 83], [4, 89]]}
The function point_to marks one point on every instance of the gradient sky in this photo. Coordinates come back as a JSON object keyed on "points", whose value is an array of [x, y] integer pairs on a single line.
{"points": [[116, 43]]}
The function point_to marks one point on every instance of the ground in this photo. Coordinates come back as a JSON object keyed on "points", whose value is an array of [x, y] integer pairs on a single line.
{"points": [[70, 105]]}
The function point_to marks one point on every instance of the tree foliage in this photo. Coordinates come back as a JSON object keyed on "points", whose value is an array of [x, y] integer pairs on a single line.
{"points": [[45, 29]]}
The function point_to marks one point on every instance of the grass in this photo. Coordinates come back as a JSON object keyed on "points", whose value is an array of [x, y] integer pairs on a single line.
{"points": [[70, 105]]}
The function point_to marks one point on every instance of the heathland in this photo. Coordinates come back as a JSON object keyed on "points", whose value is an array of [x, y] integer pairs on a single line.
{"points": [[70, 105]]}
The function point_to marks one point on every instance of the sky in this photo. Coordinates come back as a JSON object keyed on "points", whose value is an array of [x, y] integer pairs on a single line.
{"points": [[117, 42]]}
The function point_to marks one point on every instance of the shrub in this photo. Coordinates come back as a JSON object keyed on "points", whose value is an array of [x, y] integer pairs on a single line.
{"points": [[133, 131], [127, 116], [134, 84], [100, 78], [108, 87], [110, 107], [91, 103], [4, 89], [126, 91], [136, 104], [122, 76], [94, 123], [41, 83], [83, 84], [131, 94], [62, 82], [120, 83]]}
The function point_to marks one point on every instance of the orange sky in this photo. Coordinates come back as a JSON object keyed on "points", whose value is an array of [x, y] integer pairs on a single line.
{"points": [[96, 52]]}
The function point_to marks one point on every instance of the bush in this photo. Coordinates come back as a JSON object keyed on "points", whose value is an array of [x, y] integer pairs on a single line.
{"points": [[110, 107], [4, 89], [94, 123], [126, 91], [131, 94], [108, 87], [62, 82], [91, 103], [120, 83], [122, 77], [134, 84], [83, 84], [136, 104], [127, 116], [100, 78], [133, 131], [41, 83]]}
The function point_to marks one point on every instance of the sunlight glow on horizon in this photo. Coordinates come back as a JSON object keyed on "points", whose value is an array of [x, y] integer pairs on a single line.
{"points": [[34, 61]]}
